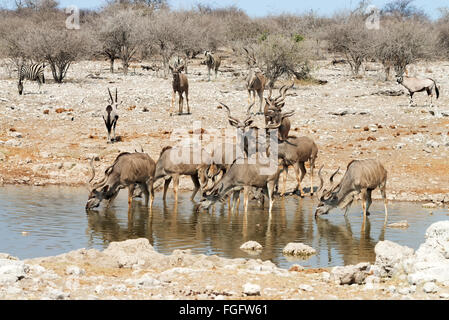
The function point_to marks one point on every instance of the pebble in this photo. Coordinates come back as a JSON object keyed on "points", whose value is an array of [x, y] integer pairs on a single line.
{"points": [[306, 287], [430, 287], [251, 289]]}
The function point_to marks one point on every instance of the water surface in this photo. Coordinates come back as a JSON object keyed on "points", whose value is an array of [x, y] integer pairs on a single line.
{"points": [[47, 221]]}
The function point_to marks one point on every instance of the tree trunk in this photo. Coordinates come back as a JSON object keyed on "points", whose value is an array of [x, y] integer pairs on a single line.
{"points": [[111, 68]]}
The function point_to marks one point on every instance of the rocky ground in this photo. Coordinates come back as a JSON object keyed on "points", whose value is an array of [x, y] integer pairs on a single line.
{"points": [[48, 138], [133, 270]]}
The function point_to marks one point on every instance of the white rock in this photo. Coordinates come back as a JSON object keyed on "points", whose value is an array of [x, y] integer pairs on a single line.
{"points": [[429, 205], [251, 289], [251, 245], [404, 291], [430, 287], [306, 287], [350, 274], [298, 249], [431, 261], [389, 255], [74, 270]]}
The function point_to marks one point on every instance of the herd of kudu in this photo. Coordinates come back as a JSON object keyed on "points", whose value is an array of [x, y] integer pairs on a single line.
{"points": [[253, 163]]}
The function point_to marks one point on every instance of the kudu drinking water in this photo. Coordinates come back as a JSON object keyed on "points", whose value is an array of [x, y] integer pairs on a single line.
{"points": [[414, 85], [245, 173], [361, 178], [127, 170], [110, 115], [179, 161]]}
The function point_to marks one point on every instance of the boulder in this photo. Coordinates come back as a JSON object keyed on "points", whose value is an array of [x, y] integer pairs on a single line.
{"points": [[251, 246], [350, 274], [431, 261], [389, 256], [298, 249]]}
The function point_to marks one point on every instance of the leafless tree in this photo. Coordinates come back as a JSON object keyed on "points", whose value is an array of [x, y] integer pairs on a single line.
{"points": [[350, 38]]}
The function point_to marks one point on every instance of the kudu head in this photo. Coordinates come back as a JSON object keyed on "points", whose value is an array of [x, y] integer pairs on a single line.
{"points": [[327, 194], [98, 191], [275, 105], [236, 123]]}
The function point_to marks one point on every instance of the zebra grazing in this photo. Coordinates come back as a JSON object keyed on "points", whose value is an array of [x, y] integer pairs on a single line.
{"points": [[413, 85], [212, 62], [33, 72]]}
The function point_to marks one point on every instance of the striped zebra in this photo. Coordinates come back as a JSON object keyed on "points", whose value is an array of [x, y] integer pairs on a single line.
{"points": [[33, 72]]}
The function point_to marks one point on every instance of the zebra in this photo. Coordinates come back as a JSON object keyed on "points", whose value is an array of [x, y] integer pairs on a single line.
{"points": [[212, 62], [33, 72]]}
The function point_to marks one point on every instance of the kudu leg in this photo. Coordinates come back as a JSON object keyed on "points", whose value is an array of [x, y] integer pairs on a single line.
{"points": [[196, 184], [284, 184], [130, 194], [181, 103], [187, 100], [175, 186], [145, 191], [235, 199], [363, 195], [369, 201], [312, 166], [166, 184], [384, 196], [270, 190], [299, 166], [151, 188], [245, 199]]}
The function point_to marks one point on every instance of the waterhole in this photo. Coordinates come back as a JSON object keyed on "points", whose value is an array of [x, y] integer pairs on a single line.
{"points": [[47, 221]]}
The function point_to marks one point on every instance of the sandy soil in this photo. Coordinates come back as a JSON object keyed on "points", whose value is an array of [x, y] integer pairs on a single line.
{"points": [[48, 138]]}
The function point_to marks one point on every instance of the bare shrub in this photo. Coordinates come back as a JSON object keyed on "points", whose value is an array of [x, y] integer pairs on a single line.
{"points": [[401, 43], [119, 33], [279, 55], [351, 38]]}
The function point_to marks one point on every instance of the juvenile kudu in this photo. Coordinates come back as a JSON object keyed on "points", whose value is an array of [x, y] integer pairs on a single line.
{"points": [[255, 81], [213, 62], [180, 85]]}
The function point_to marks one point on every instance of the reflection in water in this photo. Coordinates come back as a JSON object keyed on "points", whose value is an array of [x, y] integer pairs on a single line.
{"points": [[57, 223]]}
